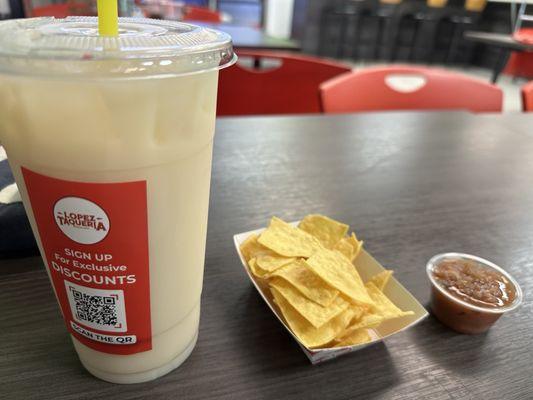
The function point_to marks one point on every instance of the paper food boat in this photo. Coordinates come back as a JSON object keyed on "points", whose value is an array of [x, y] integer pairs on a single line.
{"points": [[367, 266]]}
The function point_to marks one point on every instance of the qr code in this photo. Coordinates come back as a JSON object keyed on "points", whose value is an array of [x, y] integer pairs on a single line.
{"points": [[97, 308]]}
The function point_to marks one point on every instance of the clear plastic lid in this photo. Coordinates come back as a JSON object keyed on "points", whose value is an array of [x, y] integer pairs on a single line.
{"points": [[144, 48]]}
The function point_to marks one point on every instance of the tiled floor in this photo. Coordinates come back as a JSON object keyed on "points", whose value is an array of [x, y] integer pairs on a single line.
{"points": [[511, 88]]}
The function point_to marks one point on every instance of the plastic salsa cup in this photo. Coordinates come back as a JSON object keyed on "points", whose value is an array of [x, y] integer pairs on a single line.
{"points": [[461, 315]]}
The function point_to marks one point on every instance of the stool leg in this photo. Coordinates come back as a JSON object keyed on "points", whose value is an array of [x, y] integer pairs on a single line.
{"points": [[454, 44], [467, 45], [428, 40], [356, 37], [468, 54], [390, 34], [324, 34], [342, 34], [377, 42], [410, 49]]}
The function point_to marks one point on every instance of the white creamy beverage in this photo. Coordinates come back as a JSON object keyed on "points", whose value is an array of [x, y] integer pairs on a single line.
{"points": [[110, 142]]}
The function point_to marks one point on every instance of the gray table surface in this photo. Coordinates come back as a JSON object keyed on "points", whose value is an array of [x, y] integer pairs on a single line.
{"points": [[502, 40], [410, 184]]}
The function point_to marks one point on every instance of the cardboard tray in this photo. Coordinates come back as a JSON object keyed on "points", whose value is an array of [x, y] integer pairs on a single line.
{"points": [[367, 266]]}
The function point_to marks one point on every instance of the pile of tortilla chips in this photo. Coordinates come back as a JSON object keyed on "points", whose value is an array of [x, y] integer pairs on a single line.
{"points": [[310, 272]]}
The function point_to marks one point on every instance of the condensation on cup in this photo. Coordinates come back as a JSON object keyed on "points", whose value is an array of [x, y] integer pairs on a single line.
{"points": [[110, 142]]}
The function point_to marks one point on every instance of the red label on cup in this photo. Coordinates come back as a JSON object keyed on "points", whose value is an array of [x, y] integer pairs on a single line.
{"points": [[95, 239]]}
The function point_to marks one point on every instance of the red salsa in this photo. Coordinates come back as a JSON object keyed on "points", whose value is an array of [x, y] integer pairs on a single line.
{"points": [[474, 283]]}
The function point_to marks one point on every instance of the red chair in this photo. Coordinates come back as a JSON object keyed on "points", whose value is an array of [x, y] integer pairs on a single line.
{"points": [[62, 10], [371, 90], [291, 88], [192, 13], [521, 63], [52, 10], [527, 97]]}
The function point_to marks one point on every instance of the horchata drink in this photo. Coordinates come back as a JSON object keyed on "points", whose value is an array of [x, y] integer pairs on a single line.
{"points": [[110, 141]]}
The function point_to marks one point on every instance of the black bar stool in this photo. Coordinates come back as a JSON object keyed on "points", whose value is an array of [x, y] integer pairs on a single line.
{"points": [[405, 22], [385, 14], [467, 19], [340, 28]]}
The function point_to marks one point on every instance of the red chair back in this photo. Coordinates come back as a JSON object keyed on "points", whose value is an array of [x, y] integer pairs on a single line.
{"points": [[52, 10], [520, 64], [291, 88], [527, 97], [371, 90], [192, 13], [62, 10]]}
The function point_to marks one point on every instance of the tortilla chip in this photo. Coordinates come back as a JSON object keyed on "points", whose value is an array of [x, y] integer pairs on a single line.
{"points": [[349, 246], [345, 248], [325, 229], [354, 338], [312, 312], [358, 312], [251, 248], [310, 336], [381, 279], [287, 240], [366, 321], [271, 263], [383, 306], [307, 282], [257, 271], [340, 273]]}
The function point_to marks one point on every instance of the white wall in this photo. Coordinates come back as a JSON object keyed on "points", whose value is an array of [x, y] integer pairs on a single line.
{"points": [[278, 18]]}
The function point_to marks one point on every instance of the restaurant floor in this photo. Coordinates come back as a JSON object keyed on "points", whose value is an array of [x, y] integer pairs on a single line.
{"points": [[511, 87]]}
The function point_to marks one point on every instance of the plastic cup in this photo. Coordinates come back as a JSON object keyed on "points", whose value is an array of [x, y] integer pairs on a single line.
{"points": [[110, 142], [459, 315]]}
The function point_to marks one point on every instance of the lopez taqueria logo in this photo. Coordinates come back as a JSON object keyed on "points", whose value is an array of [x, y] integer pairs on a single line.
{"points": [[81, 220]]}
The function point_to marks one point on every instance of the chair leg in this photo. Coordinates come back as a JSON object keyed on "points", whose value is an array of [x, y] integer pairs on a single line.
{"points": [[356, 37], [454, 44], [500, 64], [393, 49], [466, 60], [429, 54], [324, 46], [428, 40], [469, 49], [379, 35], [323, 33], [413, 45], [342, 37], [390, 34]]}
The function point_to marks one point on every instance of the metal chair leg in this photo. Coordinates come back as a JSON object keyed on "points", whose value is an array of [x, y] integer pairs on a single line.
{"points": [[500, 64], [342, 37], [454, 44]]}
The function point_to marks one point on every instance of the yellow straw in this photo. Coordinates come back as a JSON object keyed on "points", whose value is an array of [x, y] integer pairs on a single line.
{"points": [[107, 17]]}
